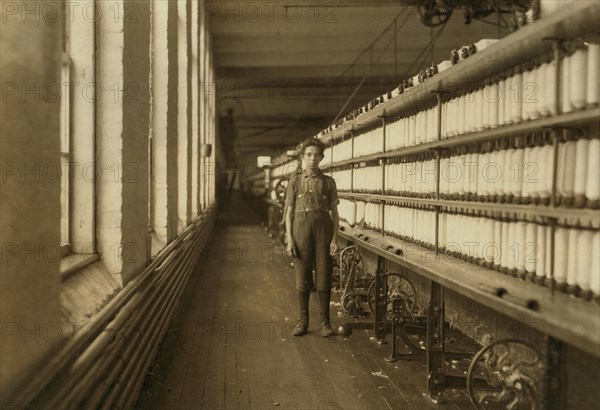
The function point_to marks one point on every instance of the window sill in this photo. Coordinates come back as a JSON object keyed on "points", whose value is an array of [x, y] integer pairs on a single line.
{"points": [[71, 264]]}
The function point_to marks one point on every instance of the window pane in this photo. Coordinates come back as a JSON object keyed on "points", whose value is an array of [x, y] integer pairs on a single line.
{"points": [[263, 160], [65, 103], [65, 141], [64, 201]]}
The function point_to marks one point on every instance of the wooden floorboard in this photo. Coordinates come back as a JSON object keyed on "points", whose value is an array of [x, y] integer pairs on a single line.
{"points": [[229, 345]]}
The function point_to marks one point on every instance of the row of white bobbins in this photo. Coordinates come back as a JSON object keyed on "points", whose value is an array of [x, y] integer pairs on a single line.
{"points": [[527, 173], [525, 92], [418, 177], [524, 249], [402, 221], [341, 151], [414, 129], [369, 142], [343, 179], [529, 92], [510, 172], [524, 174], [367, 179], [347, 211], [521, 248], [361, 212], [417, 224]]}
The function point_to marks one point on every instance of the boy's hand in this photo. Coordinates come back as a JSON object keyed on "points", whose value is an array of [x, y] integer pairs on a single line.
{"points": [[333, 248], [291, 249]]}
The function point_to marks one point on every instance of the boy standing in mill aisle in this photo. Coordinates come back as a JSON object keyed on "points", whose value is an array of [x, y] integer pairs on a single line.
{"points": [[311, 221]]}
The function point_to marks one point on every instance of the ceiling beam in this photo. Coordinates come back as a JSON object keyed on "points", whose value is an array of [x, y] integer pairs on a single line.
{"points": [[301, 21], [296, 91], [310, 73], [221, 13], [346, 43], [332, 58]]}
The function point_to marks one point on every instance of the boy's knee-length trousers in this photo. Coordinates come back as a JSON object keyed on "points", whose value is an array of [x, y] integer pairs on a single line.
{"points": [[312, 232]]}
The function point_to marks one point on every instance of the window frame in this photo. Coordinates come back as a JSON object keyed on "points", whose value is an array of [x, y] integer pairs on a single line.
{"points": [[77, 153], [65, 156]]}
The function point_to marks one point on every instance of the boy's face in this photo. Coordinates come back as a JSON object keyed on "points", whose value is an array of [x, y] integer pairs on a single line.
{"points": [[312, 157]]}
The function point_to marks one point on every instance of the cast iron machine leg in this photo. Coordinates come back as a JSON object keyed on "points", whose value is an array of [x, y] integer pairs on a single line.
{"points": [[379, 323], [555, 395], [435, 343], [351, 299], [403, 324]]}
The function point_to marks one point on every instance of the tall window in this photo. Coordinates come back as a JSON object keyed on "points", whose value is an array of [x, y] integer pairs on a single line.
{"points": [[151, 127], [261, 161], [77, 135], [65, 155]]}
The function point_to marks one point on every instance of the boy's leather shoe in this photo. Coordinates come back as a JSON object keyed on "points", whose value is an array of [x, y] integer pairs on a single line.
{"points": [[326, 329], [300, 329]]}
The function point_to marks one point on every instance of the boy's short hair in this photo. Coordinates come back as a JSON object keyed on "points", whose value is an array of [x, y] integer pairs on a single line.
{"points": [[312, 142]]}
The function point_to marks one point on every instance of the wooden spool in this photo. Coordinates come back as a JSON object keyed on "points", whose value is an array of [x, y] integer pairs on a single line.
{"points": [[592, 189], [595, 266], [581, 169], [572, 256], [561, 249], [585, 250], [479, 109], [540, 267], [516, 88], [578, 78], [508, 98], [593, 74], [565, 85], [551, 93], [567, 162]]}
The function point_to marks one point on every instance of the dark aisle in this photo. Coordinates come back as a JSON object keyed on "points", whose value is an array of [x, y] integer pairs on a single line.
{"points": [[230, 344]]}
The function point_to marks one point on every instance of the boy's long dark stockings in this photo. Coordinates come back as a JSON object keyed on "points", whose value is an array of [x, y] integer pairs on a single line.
{"points": [[324, 299], [303, 299]]}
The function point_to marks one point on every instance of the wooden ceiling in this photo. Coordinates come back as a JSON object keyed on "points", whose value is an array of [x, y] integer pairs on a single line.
{"points": [[279, 63]]}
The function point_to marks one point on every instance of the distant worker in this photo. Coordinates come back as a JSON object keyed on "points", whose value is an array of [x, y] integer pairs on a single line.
{"points": [[312, 220], [228, 135]]}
